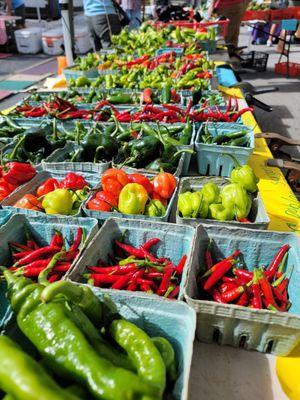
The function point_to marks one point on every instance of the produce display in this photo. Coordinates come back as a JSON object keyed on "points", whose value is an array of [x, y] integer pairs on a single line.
{"points": [[138, 269], [86, 340], [239, 137], [57, 197], [44, 263], [133, 193], [232, 202], [13, 175], [229, 281]]}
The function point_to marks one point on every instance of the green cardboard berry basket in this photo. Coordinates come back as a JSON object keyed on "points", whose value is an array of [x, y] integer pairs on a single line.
{"points": [[34, 183], [258, 216], [262, 330], [42, 228], [176, 240]]}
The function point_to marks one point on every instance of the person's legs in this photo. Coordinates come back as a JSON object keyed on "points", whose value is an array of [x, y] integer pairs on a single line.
{"points": [[104, 26], [20, 12], [96, 43], [235, 14], [135, 17]]}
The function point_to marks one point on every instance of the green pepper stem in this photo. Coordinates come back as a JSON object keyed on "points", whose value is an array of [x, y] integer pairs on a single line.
{"points": [[54, 128], [96, 153], [182, 151], [42, 278], [17, 146], [237, 165]]}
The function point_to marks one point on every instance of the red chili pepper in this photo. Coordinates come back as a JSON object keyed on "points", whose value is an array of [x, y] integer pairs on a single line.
{"points": [[225, 286], [37, 112], [243, 274], [283, 285], [146, 288], [101, 279], [146, 254], [165, 282], [223, 267], [154, 275], [133, 282], [266, 289], [139, 253], [22, 254], [229, 279], [256, 293], [243, 300], [281, 267], [115, 269], [77, 241], [217, 265], [232, 294], [181, 264], [216, 295], [273, 266], [151, 242], [174, 293], [244, 220], [37, 254], [144, 281], [57, 239], [280, 296], [241, 112], [122, 281], [54, 278], [20, 246]]}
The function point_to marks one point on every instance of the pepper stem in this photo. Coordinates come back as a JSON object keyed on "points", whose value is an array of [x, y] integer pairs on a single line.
{"points": [[237, 165], [42, 278], [17, 146]]}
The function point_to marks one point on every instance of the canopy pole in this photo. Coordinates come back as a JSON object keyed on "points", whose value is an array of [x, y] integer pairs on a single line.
{"points": [[66, 16]]}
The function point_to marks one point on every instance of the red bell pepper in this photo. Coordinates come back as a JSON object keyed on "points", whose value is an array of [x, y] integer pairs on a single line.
{"points": [[73, 181], [48, 186], [113, 181], [17, 173]]}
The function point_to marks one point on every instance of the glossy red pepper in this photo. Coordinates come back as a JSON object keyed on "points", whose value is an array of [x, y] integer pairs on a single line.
{"points": [[222, 268], [273, 266], [48, 186], [113, 180], [17, 173], [73, 181], [142, 180]]}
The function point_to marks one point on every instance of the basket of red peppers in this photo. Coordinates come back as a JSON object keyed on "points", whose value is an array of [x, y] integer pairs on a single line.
{"points": [[132, 195], [53, 193], [137, 255], [243, 285], [13, 175]]}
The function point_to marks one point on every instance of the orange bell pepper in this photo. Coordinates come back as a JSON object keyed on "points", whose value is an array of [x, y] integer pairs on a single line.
{"points": [[164, 184], [113, 180]]}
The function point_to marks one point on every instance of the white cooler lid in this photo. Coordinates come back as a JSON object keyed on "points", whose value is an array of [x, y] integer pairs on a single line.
{"points": [[53, 32], [28, 31]]}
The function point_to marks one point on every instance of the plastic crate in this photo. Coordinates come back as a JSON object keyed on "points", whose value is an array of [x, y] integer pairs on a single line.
{"points": [[261, 330], [31, 187], [56, 162], [71, 73], [258, 216], [251, 15], [212, 158], [175, 321], [289, 69], [255, 59], [42, 229], [176, 240], [103, 215]]}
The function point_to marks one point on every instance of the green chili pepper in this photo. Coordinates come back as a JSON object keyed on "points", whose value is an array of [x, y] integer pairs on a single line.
{"points": [[55, 328], [186, 135], [143, 353], [24, 378], [122, 98], [166, 93], [168, 355]]}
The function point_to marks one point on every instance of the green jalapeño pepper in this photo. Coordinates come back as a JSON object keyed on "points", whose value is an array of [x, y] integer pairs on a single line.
{"points": [[132, 199], [155, 209], [220, 213], [235, 197], [59, 201], [59, 331], [24, 378], [244, 175], [211, 193], [192, 205]]}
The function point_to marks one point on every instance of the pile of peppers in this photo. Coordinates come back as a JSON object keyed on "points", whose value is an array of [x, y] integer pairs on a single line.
{"points": [[229, 203], [90, 351], [229, 281], [133, 193], [138, 269], [51, 262], [13, 175], [239, 137], [54, 197]]}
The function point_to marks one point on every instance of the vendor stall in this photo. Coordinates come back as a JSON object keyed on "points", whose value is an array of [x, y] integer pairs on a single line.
{"points": [[138, 213]]}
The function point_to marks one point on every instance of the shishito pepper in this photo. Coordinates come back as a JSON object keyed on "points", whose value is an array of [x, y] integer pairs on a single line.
{"points": [[155, 209], [220, 213], [133, 198], [211, 193], [24, 378], [63, 335], [235, 197], [60, 201], [192, 205], [244, 175]]}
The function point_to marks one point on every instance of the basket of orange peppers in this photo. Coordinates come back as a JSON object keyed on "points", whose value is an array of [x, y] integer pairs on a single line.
{"points": [[133, 195]]}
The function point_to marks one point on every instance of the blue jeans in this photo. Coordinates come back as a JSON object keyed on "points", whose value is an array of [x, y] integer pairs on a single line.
{"points": [[135, 18]]}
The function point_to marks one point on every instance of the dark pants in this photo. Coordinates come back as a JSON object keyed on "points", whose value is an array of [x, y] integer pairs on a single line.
{"points": [[101, 27], [20, 12]]}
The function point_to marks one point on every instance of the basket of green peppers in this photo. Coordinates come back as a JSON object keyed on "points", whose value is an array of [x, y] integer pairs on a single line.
{"points": [[83, 67], [215, 141], [234, 201], [93, 347]]}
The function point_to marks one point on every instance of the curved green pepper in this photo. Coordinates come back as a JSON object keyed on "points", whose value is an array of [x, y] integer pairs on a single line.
{"points": [[168, 355]]}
